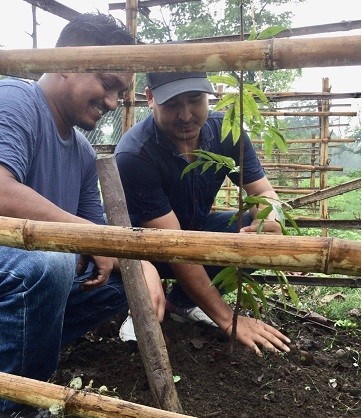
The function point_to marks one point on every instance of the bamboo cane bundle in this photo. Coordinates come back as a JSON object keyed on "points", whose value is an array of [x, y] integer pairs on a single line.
{"points": [[299, 253], [271, 54]]}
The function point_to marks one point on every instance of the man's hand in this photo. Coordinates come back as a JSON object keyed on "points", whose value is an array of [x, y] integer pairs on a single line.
{"points": [[269, 227], [254, 333], [101, 272], [155, 289]]}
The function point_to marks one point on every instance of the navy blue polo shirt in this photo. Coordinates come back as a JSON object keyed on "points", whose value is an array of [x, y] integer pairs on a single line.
{"points": [[150, 168]]}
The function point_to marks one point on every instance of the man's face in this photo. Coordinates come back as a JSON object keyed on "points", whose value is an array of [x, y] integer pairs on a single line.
{"points": [[89, 96], [182, 117]]}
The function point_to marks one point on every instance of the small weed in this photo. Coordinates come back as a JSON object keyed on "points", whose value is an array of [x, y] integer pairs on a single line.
{"points": [[345, 323]]}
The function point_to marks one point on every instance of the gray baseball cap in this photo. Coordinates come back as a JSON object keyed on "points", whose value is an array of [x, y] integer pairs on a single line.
{"points": [[164, 86]]}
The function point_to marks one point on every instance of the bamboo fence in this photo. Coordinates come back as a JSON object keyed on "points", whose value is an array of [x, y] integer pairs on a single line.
{"points": [[293, 253], [303, 254]]}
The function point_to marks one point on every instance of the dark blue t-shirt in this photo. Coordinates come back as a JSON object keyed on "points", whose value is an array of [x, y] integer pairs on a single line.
{"points": [[150, 168]]}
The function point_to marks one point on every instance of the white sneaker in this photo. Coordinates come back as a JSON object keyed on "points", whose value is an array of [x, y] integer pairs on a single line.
{"points": [[194, 314], [126, 332]]}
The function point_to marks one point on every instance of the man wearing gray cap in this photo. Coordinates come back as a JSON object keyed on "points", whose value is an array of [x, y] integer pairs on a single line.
{"points": [[151, 157]]}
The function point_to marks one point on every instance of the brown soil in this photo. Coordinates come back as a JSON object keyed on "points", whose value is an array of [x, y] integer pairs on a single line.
{"points": [[320, 377]]}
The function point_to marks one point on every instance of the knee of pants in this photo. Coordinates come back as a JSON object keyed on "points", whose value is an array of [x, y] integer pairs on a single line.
{"points": [[52, 271], [56, 268]]}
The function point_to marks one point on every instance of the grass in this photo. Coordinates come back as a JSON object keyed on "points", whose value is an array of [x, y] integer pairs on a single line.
{"points": [[334, 303]]}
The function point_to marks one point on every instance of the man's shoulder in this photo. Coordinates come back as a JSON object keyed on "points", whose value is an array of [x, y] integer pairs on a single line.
{"points": [[214, 120], [17, 83], [136, 137], [215, 115], [22, 95]]}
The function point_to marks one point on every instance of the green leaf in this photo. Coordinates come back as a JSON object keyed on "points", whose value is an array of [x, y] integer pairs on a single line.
{"points": [[256, 200], [259, 229], [268, 144], [176, 378], [293, 296], [257, 288], [235, 130], [263, 213], [227, 100], [279, 213], [191, 167], [270, 32], [76, 383], [292, 221], [227, 79], [207, 165], [253, 34], [278, 138], [251, 302], [234, 218], [226, 123], [251, 88], [227, 279]]}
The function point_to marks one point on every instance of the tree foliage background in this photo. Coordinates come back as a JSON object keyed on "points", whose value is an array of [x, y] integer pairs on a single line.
{"points": [[212, 18]]}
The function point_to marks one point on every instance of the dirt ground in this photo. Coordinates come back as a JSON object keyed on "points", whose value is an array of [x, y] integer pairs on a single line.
{"points": [[320, 377]]}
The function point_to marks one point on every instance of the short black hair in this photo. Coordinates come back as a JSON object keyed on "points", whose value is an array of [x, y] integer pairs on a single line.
{"points": [[94, 29]]}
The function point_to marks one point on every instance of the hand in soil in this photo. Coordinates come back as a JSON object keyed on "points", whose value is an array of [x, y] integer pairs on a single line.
{"points": [[254, 333]]}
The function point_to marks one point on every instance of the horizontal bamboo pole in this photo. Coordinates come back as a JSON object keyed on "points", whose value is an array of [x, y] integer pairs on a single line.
{"points": [[271, 54], [303, 167], [312, 113], [78, 403], [309, 254]]}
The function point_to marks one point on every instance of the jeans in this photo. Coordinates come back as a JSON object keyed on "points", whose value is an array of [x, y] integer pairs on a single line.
{"points": [[215, 222], [42, 309]]}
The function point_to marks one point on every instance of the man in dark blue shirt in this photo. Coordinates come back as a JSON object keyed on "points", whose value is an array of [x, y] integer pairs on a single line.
{"points": [[151, 157]]}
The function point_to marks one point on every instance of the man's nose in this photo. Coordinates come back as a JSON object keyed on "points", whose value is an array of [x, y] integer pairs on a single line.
{"points": [[185, 113], [111, 99]]}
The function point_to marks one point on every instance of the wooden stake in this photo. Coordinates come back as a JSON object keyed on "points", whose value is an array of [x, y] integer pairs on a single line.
{"points": [[148, 331]]}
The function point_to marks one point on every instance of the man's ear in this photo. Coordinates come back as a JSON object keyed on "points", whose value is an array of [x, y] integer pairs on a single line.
{"points": [[149, 96]]}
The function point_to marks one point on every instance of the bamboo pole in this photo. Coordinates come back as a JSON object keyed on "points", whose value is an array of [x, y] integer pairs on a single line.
{"points": [[312, 113], [128, 111], [271, 54], [149, 335], [310, 141], [292, 253], [109, 148], [80, 403], [302, 167], [324, 153], [327, 193]]}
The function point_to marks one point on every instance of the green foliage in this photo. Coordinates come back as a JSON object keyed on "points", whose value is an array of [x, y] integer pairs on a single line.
{"points": [[227, 282], [212, 18], [252, 117], [208, 159], [266, 33], [252, 293]]}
